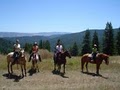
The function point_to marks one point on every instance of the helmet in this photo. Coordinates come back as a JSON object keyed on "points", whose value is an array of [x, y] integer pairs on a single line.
{"points": [[35, 43], [17, 41], [95, 45]]}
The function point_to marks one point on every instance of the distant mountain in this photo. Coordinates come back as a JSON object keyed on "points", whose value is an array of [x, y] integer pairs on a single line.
{"points": [[15, 34], [67, 39]]}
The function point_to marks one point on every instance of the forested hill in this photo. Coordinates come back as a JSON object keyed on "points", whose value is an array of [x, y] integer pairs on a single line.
{"points": [[67, 39], [6, 46]]}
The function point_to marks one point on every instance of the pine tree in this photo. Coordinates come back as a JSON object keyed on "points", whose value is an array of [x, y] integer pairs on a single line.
{"points": [[74, 50], [28, 47], [86, 43], [40, 44], [118, 42], [47, 45], [95, 40], [108, 40], [43, 44]]}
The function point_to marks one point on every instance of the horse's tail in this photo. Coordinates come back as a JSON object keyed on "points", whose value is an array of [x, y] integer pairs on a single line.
{"points": [[82, 63]]}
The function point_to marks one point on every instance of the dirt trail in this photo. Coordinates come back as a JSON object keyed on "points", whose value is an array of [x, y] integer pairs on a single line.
{"points": [[46, 80]]}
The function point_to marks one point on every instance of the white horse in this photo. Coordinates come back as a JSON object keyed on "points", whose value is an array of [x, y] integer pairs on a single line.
{"points": [[35, 58]]}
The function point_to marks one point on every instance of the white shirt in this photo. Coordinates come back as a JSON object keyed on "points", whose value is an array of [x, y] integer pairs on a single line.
{"points": [[17, 47], [59, 48]]}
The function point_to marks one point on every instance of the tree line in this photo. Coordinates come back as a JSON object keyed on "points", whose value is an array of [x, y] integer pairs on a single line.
{"points": [[110, 43]]}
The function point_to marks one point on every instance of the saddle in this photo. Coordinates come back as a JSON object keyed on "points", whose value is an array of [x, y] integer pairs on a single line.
{"points": [[58, 56], [35, 56], [93, 58]]}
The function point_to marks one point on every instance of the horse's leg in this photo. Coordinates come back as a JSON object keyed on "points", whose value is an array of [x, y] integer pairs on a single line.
{"points": [[22, 70], [64, 68], [82, 65], [97, 68], [33, 65], [86, 66], [54, 65], [37, 68], [8, 67], [25, 69], [11, 67], [59, 68]]}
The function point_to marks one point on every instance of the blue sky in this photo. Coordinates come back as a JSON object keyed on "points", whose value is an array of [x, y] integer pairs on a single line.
{"points": [[33, 16]]}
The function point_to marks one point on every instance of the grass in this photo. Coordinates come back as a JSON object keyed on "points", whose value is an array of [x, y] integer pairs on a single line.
{"points": [[72, 63], [76, 81]]}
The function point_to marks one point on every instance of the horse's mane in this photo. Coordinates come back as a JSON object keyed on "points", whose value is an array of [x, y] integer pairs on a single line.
{"points": [[103, 54]]}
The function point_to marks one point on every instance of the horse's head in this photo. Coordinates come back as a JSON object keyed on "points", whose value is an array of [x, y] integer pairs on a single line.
{"points": [[67, 54], [105, 57], [22, 53]]}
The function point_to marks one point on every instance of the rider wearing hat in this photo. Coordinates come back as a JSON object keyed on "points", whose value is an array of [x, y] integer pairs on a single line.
{"points": [[59, 48], [17, 49], [94, 52], [35, 49]]}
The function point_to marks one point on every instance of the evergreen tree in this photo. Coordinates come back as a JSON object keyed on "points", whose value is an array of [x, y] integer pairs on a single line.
{"points": [[6, 46], [95, 40], [118, 42], [47, 45], [108, 40], [28, 47], [74, 50], [40, 44], [86, 43], [44, 45]]}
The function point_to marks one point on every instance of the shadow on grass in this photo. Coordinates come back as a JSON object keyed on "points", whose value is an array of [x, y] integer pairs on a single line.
{"points": [[56, 72], [94, 74], [31, 71], [12, 76]]}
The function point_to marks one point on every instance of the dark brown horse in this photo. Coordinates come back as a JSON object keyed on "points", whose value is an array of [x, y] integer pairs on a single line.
{"points": [[99, 58], [21, 62], [61, 60]]}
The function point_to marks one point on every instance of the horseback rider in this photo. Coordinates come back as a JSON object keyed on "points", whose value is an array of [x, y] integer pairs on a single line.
{"points": [[94, 52], [59, 48], [35, 49], [17, 48]]}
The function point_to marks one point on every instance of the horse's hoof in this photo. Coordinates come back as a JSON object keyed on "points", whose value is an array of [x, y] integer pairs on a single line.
{"points": [[81, 71], [63, 72]]}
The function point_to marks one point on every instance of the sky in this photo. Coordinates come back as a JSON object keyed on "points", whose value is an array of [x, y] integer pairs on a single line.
{"points": [[34, 16]]}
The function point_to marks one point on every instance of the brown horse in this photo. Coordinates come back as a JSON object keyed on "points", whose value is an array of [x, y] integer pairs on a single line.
{"points": [[61, 60], [99, 58], [21, 62], [35, 57]]}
